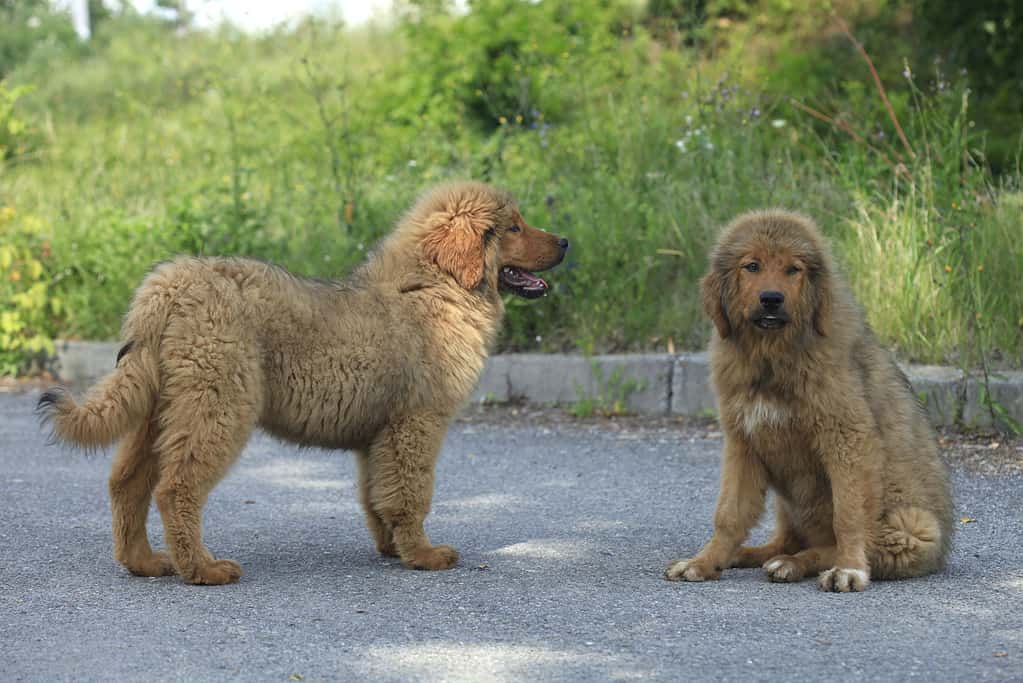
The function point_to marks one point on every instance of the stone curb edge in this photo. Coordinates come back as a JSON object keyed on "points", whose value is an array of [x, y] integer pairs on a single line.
{"points": [[641, 383]]}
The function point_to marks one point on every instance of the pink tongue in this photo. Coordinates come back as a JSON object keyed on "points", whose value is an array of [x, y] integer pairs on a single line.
{"points": [[522, 278], [532, 280]]}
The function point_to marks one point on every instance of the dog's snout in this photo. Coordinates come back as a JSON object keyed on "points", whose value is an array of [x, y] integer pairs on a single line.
{"points": [[771, 300], [563, 244]]}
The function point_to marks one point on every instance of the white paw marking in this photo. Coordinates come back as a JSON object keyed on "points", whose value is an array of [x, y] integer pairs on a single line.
{"points": [[844, 580], [863, 576], [680, 570], [782, 569]]}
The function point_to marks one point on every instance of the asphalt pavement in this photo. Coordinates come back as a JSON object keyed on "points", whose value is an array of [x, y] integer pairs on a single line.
{"points": [[564, 531]]}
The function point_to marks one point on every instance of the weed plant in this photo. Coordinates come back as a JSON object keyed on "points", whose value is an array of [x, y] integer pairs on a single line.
{"points": [[303, 146]]}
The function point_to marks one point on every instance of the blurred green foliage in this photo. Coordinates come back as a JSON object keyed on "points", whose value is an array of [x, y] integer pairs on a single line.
{"points": [[16, 137], [634, 130], [31, 26], [983, 40], [27, 305]]}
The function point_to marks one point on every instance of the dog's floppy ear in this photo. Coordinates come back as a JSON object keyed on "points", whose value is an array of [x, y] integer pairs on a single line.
{"points": [[456, 244], [822, 304], [712, 294]]}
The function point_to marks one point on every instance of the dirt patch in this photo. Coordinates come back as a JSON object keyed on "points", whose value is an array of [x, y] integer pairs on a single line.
{"points": [[982, 452]]}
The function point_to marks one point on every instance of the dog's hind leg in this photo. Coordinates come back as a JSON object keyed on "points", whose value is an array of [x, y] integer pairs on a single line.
{"points": [[402, 458], [382, 533], [909, 543], [211, 399], [132, 479], [194, 455]]}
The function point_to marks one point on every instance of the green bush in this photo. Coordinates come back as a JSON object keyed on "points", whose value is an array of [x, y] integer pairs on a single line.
{"points": [[27, 306], [15, 134], [304, 146], [506, 60], [983, 39], [28, 26]]}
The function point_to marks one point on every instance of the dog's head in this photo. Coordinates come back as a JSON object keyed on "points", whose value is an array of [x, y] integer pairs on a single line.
{"points": [[475, 234], [769, 273]]}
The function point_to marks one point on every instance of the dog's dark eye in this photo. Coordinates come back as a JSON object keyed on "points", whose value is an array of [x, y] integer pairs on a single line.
{"points": [[792, 270], [514, 228], [752, 267]]}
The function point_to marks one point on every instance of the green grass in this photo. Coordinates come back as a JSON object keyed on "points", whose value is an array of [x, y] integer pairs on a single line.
{"points": [[304, 147]]}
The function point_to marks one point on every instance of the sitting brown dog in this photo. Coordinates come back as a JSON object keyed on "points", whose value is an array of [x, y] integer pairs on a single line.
{"points": [[378, 364], [814, 409]]}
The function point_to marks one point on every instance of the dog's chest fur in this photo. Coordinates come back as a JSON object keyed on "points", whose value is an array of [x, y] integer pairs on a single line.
{"points": [[761, 412], [775, 427]]}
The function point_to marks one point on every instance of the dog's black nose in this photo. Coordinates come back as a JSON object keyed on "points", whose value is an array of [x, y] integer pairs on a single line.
{"points": [[563, 243], [771, 300]]}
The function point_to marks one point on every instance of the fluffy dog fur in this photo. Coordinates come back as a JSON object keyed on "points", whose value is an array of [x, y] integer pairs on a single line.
{"points": [[377, 364], [814, 409]]}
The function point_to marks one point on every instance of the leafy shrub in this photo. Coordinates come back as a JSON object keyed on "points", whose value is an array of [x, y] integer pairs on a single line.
{"points": [[505, 60], [27, 26], [15, 135], [303, 146], [27, 307], [983, 39]]}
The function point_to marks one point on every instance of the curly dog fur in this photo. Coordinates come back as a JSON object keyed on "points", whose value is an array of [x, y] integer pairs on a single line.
{"points": [[814, 409], [378, 364]]}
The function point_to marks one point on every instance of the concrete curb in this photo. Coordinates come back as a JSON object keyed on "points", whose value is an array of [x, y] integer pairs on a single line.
{"points": [[641, 383]]}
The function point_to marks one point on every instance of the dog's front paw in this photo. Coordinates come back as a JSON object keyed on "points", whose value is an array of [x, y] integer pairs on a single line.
{"points": [[430, 558], [841, 580], [214, 573], [784, 569], [693, 569], [155, 564]]}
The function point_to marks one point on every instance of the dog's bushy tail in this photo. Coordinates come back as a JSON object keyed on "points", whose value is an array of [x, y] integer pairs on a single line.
{"points": [[121, 400], [125, 397]]}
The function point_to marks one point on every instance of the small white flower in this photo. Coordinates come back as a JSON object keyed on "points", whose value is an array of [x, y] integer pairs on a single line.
{"points": [[689, 120], [778, 123], [539, 339], [681, 144], [33, 22], [709, 146], [412, 163]]}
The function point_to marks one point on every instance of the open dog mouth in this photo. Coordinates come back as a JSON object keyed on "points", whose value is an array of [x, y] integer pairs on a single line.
{"points": [[770, 321], [522, 282]]}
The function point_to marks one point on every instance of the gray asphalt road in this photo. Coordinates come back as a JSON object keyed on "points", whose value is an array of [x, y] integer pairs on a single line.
{"points": [[564, 532]]}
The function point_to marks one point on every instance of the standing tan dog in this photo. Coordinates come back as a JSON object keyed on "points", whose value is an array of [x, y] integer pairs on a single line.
{"points": [[378, 364], [814, 409]]}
